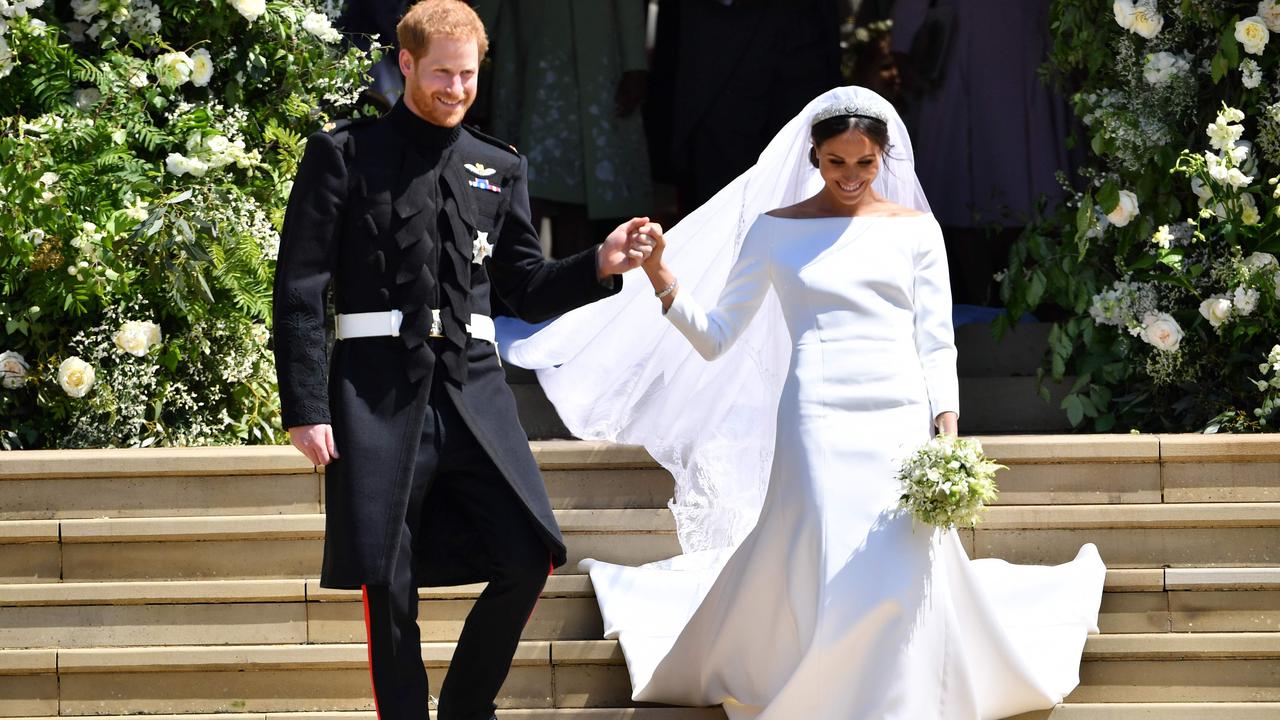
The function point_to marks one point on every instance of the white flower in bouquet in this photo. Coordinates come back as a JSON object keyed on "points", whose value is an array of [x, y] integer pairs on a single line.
{"points": [[1269, 11], [137, 209], [260, 334], [1140, 17], [1261, 261], [1249, 214], [76, 376], [318, 25], [85, 10], [1252, 33], [137, 337], [179, 165], [1250, 73], [1245, 300], [947, 482], [1158, 68], [143, 20], [1223, 134], [1274, 356], [1161, 331], [250, 9], [173, 69], [139, 79], [201, 67], [1217, 310], [1125, 211], [13, 370], [1163, 237], [1202, 191]]}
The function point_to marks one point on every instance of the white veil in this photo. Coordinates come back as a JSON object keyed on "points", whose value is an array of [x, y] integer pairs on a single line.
{"points": [[616, 370]]}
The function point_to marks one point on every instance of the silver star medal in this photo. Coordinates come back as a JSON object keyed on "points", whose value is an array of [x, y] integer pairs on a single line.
{"points": [[482, 248]]}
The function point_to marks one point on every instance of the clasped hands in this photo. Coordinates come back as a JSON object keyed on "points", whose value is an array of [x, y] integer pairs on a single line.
{"points": [[631, 245]]}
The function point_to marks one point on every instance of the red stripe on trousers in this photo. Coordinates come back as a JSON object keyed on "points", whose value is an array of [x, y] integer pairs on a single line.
{"points": [[368, 634]]}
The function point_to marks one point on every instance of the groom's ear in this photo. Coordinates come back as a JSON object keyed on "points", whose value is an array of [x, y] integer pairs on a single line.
{"points": [[813, 155]]}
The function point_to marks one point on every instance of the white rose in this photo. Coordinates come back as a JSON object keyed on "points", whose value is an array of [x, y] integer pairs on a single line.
{"points": [[250, 9], [1245, 300], [1217, 310], [1125, 211], [1253, 34], [1269, 11], [1123, 10], [1161, 331], [1261, 261], [318, 25], [201, 67], [177, 164], [13, 370], [131, 338], [1145, 19], [75, 376], [173, 69], [139, 79]]}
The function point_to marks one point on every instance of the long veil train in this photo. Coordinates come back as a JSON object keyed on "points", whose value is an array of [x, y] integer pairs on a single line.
{"points": [[618, 371]]}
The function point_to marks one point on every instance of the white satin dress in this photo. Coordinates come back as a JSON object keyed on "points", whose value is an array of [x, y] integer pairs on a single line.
{"points": [[836, 607]]}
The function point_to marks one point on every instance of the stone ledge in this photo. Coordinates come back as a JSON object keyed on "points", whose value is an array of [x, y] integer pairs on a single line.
{"points": [[152, 592], [134, 462], [28, 662], [1190, 448], [1057, 449], [1137, 516], [1181, 646]]}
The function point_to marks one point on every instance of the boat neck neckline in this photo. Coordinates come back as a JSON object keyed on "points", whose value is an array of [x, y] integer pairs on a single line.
{"points": [[851, 217]]}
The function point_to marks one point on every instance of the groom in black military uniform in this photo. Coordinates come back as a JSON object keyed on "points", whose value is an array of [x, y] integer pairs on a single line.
{"points": [[412, 220]]}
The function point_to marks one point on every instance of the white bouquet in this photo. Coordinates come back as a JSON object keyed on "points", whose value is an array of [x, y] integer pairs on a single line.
{"points": [[947, 481]]}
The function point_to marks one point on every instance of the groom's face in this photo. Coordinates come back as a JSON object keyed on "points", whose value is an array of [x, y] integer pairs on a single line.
{"points": [[441, 85], [848, 163]]}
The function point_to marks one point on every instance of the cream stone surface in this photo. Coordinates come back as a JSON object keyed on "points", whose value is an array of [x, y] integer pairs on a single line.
{"points": [[1225, 611], [152, 593], [609, 488], [1079, 483], [247, 460], [569, 454], [234, 559], [1184, 680], [125, 625], [1130, 548], [1221, 482], [30, 562], [35, 695], [1134, 612], [159, 496], [584, 686]]}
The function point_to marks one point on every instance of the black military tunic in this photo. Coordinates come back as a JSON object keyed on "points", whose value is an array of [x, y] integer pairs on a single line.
{"points": [[390, 214]]}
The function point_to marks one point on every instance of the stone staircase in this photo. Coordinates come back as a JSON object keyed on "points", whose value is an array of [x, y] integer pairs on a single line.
{"points": [[180, 582]]}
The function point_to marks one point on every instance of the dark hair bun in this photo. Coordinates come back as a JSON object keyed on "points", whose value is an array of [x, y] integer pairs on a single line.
{"points": [[875, 129]]}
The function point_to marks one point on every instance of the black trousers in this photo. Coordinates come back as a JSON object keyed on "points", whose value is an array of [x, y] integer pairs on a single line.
{"points": [[455, 471]]}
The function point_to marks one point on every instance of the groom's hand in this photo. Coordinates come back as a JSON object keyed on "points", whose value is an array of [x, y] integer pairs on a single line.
{"points": [[618, 254], [316, 442]]}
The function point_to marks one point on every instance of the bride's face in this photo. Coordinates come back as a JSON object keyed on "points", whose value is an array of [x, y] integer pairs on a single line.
{"points": [[848, 163]]}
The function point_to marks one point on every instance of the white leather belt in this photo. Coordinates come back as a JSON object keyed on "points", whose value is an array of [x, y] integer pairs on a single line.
{"points": [[387, 324]]}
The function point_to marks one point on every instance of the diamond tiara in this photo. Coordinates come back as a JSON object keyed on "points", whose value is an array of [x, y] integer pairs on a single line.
{"points": [[853, 109]]}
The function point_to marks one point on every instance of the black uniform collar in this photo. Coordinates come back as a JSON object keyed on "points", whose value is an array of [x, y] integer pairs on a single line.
{"points": [[426, 134]]}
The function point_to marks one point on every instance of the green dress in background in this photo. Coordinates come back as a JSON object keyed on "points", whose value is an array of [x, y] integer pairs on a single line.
{"points": [[556, 68]]}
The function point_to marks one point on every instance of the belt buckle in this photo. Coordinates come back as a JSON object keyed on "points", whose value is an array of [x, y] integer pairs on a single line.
{"points": [[437, 327]]}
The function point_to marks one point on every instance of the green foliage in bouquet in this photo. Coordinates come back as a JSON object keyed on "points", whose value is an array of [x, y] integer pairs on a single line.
{"points": [[947, 482], [146, 156], [1165, 262]]}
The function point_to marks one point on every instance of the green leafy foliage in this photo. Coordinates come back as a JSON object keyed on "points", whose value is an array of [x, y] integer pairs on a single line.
{"points": [[145, 164]]}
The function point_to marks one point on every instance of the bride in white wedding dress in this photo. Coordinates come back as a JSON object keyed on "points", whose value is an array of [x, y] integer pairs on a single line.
{"points": [[833, 605]]}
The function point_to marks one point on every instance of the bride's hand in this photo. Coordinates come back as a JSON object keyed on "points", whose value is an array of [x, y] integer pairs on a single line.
{"points": [[649, 238], [948, 423]]}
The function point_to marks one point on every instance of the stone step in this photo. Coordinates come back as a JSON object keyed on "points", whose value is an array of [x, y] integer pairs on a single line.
{"points": [[1065, 711], [289, 546], [231, 612], [169, 482], [1133, 668]]}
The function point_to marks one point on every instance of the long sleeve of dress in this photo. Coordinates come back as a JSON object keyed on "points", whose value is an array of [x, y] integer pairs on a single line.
{"points": [[713, 333], [935, 337]]}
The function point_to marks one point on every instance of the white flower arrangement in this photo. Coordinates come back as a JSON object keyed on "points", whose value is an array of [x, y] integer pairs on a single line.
{"points": [[1252, 34], [1217, 310], [250, 9], [947, 482], [1250, 73], [13, 370], [76, 376], [201, 67], [137, 337], [1161, 331], [1125, 211], [1158, 68], [318, 25], [1141, 17]]}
